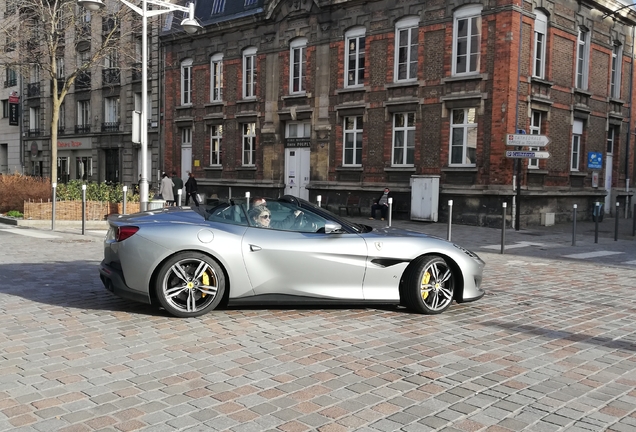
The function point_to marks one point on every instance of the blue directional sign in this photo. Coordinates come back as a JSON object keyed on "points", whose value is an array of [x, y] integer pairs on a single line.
{"points": [[595, 160]]}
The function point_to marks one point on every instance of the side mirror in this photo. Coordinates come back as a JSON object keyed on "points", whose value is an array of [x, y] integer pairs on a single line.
{"points": [[332, 227]]}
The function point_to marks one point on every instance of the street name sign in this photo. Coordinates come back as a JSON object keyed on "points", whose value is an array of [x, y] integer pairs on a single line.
{"points": [[524, 140], [528, 154]]}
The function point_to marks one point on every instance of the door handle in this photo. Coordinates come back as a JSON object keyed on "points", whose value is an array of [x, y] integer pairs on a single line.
{"points": [[255, 248]]}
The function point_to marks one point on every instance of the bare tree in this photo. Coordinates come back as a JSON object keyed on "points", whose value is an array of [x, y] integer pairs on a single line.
{"points": [[37, 34]]}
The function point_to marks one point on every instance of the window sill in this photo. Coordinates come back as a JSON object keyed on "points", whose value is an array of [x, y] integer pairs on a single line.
{"points": [[466, 168], [215, 103], [246, 168], [541, 81], [409, 83], [467, 77], [213, 168], [246, 100], [352, 89], [296, 96], [355, 168], [537, 171], [183, 107], [582, 91], [400, 169], [617, 101], [578, 174]]}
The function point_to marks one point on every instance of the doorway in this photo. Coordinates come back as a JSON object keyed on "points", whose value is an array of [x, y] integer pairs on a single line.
{"points": [[297, 172]]}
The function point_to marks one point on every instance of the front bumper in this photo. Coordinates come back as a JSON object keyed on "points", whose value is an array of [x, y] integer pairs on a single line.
{"points": [[113, 280]]}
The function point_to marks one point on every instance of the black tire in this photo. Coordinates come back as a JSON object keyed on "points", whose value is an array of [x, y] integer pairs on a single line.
{"points": [[429, 285], [190, 284]]}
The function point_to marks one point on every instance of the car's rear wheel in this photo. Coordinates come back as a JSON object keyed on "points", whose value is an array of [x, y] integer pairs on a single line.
{"points": [[429, 285], [190, 284]]}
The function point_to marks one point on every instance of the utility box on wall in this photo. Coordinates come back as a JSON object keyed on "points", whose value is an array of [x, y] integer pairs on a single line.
{"points": [[424, 197]]}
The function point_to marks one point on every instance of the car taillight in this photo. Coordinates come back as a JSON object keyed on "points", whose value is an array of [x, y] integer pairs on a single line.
{"points": [[123, 232]]}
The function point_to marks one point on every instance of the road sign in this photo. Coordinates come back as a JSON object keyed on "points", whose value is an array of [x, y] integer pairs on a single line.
{"points": [[523, 140], [528, 154]]}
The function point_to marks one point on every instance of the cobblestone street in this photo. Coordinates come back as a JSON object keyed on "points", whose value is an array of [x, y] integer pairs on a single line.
{"points": [[550, 347]]}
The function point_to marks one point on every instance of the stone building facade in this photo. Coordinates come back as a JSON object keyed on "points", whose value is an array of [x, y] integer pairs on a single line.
{"points": [[339, 99]]}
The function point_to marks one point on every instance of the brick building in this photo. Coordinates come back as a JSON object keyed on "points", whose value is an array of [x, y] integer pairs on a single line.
{"points": [[341, 98]]}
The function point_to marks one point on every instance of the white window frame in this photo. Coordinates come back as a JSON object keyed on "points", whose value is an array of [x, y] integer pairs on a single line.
{"points": [[59, 67], [186, 82], [111, 60], [611, 141], [404, 29], [249, 73], [540, 42], [617, 66], [582, 59], [216, 78], [465, 127], [297, 65], [248, 135], [216, 143], [298, 129], [408, 132], [536, 117], [355, 134], [474, 31], [111, 110], [61, 120], [575, 149], [84, 113], [354, 70]]}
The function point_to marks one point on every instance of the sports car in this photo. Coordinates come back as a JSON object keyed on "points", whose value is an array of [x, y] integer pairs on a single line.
{"points": [[191, 261]]}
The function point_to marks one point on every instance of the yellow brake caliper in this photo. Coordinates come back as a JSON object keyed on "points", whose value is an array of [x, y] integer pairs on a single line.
{"points": [[205, 279], [425, 279]]}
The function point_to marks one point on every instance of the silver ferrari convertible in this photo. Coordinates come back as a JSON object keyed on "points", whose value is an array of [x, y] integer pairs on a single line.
{"points": [[283, 251]]}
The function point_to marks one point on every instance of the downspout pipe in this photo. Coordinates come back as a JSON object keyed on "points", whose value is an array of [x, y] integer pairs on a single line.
{"points": [[629, 121]]}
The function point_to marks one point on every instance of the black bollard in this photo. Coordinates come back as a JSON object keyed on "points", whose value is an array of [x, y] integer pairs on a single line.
{"points": [[574, 225], [450, 219], [616, 222], [83, 209], [503, 228], [596, 218]]}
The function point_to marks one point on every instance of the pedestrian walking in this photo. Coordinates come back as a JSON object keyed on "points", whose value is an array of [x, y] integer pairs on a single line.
{"points": [[165, 190], [178, 185], [191, 190]]}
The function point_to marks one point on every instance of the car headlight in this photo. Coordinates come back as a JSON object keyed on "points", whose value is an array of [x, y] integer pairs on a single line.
{"points": [[467, 252]]}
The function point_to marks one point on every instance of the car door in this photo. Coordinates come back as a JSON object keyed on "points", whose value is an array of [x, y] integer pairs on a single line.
{"points": [[306, 264]]}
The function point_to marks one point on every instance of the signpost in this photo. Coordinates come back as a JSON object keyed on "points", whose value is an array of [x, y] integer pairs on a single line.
{"points": [[528, 154], [524, 140], [520, 140]]}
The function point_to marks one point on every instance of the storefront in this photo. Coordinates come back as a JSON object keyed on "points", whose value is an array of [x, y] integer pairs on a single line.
{"points": [[74, 159]]}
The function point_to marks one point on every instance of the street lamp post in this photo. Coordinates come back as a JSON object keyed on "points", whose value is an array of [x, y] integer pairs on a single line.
{"points": [[190, 25]]}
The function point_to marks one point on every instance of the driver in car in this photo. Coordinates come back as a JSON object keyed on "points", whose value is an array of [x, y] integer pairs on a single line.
{"points": [[262, 218]]}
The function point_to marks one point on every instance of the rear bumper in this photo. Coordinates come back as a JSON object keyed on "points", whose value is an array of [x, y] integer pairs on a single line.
{"points": [[113, 280]]}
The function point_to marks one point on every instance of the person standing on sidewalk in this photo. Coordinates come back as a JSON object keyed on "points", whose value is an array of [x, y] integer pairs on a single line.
{"points": [[381, 204], [178, 184], [191, 190], [165, 189]]}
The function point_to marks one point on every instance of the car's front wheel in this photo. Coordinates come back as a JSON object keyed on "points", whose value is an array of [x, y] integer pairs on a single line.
{"points": [[429, 285], [190, 284]]}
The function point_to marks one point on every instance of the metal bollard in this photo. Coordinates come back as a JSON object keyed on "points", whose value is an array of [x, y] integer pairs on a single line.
{"points": [[450, 219], [124, 199], [596, 212], [53, 206], [390, 212], [180, 192], [83, 209], [503, 227], [616, 222], [319, 198], [634, 221], [247, 200], [574, 225]]}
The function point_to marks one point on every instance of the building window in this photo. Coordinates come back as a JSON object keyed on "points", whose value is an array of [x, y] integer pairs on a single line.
{"points": [[216, 77], [540, 34], [218, 7], [34, 121], [83, 116], [249, 73], [298, 64], [186, 82], [12, 78], [406, 33], [617, 62], [403, 149], [535, 129], [352, 146], [111, 114], [83, 167], [216, 138], [577, 133], [249, 144], [186, 137], [466, 40], [354, 57], [582, 58], [463, 137], [611, 136], [61, 120], [5, 108], [59, 67]]}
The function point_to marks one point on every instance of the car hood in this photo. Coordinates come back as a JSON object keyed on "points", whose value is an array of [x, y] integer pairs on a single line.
{"points": [[399, 232]]}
